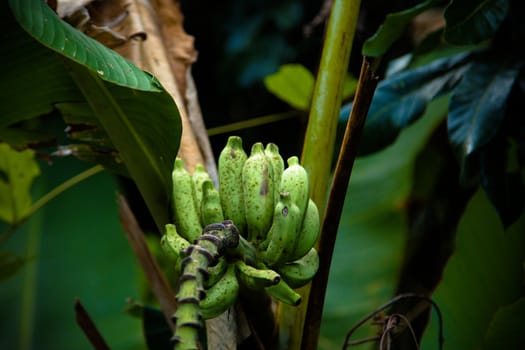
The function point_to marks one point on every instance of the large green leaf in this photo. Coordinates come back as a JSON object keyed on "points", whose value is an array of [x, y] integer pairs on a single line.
{"points": [[473, 21], [394, 25], [402, 99], [368, 253], [17, 172], [141, 119], [484, 274], [506, 327]]}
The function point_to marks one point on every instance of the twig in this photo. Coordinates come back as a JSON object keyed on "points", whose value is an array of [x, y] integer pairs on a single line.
{"points": [[88, 327], [398, 328], [159, 284]]}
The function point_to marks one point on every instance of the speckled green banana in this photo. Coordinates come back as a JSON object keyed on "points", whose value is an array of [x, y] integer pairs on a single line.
{"points": [[221, 295], [257, 184], [215, 273], [277, 164], [185, 210], [308, 233], [173, 244], [211, 209], [254, 278], [283, 234], [284, 293], [199, 176], [294, 180], [298, 273], [231, 162]]}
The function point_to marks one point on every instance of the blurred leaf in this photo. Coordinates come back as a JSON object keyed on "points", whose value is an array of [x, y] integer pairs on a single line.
{"points": [[402, 99], [18, 170], [140, 118], [10, 264], [82, 253], [477, 106], [294, 84], [506, 327], [392, 28], [473, 21], [484, 274]]}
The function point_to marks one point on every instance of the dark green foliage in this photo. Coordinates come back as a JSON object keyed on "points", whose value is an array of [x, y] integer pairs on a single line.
{"points": [[482, 85], [473, 21]]}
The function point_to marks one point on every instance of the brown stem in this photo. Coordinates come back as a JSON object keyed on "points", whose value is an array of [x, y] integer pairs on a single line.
{"points": [[159, 284], [88, 327], [363, 98]]}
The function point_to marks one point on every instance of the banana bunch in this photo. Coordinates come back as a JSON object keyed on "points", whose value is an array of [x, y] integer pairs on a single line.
{"points": [[270, 206]]}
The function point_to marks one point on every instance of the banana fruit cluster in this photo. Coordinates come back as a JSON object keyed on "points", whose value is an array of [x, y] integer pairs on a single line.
{"points": [[269, 205]]}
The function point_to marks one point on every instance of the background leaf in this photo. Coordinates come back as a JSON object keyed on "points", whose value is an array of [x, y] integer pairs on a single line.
{"points": [[18, 171], [392, 28], [505, 329], [479, 278], [473, 21]]}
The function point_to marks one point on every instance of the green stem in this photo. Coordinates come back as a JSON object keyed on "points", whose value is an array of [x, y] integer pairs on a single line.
{"points": [[29, 289], [64, 186], [250, 123], [320, 136]]}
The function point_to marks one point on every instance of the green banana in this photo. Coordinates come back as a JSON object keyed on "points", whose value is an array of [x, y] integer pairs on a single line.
{"points": [[255, 279], [294, 180], [284, 293], [211, 209], [198, 177], [308, 233], [185, 211], [277, 164], [258, 193], [282, 238], [221, 295], [298, 273], [173, 244], [215, 273], [231, 163]]}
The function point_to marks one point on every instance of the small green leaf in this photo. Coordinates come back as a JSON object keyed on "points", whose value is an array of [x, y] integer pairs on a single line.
{"points": [[9, 264], [18, 169], [293, 84], [392, 28], [473, 21]]}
